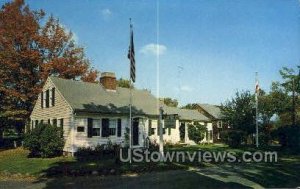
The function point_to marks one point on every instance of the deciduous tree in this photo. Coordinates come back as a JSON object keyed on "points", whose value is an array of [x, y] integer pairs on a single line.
{"points": [[29, 53]]}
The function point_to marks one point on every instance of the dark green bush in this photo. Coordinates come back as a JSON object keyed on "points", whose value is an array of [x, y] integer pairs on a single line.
{"points": [[232, 137], [288, 136], [96, 153], [44, 141], [196, 132]]}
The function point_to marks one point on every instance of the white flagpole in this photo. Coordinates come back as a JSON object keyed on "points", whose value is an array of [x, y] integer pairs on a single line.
{"points": [[130, 119], [256, 106]]}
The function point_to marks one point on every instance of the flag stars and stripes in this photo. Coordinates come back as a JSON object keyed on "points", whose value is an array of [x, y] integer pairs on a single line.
{"points": [[131, 56]]}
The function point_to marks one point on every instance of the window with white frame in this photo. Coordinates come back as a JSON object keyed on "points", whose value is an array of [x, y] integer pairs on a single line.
{"points": [[80, 125], [112, 127], [50, 98], [44, 99], [96, 127]]}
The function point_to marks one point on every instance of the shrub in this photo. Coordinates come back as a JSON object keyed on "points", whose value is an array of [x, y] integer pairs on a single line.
{"points": [[288, 136], [232, 137], [44, 141], [108, 150], [153, 146], [196, 132]]}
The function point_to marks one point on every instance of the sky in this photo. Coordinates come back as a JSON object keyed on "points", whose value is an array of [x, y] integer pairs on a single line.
{"points": [[207, 50]]}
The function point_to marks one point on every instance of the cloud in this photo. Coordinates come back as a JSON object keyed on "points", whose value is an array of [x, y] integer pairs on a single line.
{"points": [[186, 88], [106, 13], [153, 49]]}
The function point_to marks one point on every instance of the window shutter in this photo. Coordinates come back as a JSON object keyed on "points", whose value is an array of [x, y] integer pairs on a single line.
{"points": [[90, 128], [149, 127], [47, 98], [61, 124], [42, 99], [119, 127], [105, 127], [53, 96], [54, 122]]}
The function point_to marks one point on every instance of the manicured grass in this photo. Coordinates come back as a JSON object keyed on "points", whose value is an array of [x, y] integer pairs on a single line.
{"points": [[16, 161], [283, 173]]}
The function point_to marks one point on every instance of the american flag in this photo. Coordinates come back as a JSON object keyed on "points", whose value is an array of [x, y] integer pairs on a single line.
{"points": [[131, 56], [257, 87]]}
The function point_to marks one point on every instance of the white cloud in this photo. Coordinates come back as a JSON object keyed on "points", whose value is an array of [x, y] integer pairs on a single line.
{"points": [[186, 88], [106, 13], [153, 49]]}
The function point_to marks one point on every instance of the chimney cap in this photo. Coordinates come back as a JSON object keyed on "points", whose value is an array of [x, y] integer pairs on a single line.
{"points": [[108, 74]]}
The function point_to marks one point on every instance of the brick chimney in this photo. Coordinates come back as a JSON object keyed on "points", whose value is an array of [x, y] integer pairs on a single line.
{"points": [[108, 80]]}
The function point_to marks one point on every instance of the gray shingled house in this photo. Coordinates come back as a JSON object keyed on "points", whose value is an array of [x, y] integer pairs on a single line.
{"points": [[95, 113]]}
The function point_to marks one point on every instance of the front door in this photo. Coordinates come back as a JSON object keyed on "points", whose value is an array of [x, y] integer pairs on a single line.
{"points": [[135, 132]]}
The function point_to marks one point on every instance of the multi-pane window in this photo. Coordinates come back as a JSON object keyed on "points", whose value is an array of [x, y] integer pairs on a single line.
{"points": [[44, 99], [96, 127], [50, 98], [81, 124], [112, 127]]}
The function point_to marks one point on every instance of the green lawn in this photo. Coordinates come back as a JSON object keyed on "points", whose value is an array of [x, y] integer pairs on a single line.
{"points": [[284, 173], [16, 161]]}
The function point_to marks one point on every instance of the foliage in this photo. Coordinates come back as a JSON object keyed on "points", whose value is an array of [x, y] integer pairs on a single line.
{"points": [[191, 106], [232, 137], [170, 102], [125, 83], [239, 112], [153, 146], [45, 141], [289, 136], [127, 137], [30, 51], [108, 150], [196, 132]]}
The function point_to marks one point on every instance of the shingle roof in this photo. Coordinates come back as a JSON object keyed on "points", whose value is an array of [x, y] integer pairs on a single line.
{"points": [[212, 110], [186, 114], [92, 97]]}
